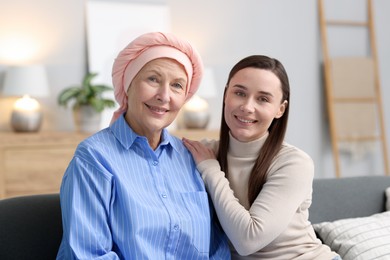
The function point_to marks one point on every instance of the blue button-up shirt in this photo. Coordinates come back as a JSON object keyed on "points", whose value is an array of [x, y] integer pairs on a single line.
{"points": [[122, 200]]}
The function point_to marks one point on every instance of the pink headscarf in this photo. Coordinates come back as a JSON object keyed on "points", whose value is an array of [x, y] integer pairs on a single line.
{"points": [[148, 47]]}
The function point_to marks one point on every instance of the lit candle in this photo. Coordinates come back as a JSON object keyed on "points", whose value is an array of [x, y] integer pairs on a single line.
{"points": [[196, 113], [26, 115], [26, 104], [196, 104]]}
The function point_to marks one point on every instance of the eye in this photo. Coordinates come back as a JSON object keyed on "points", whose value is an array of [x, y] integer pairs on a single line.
{"points": [[153, 79], [240, 93], [177, 85], [263, 99]]}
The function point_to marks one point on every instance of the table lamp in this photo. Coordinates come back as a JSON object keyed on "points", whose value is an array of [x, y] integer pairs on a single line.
{"points": [[26, 82], [196, 112]]}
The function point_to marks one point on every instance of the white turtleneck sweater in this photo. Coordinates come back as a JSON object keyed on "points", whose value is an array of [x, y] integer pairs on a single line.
{"points": [[276, 226]]}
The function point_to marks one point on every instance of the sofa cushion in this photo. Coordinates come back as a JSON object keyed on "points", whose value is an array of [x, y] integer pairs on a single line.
{"points": [[358, 238]]}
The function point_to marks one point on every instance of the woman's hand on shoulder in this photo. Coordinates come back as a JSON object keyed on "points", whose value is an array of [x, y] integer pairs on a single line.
{"points": [[198, 150]]}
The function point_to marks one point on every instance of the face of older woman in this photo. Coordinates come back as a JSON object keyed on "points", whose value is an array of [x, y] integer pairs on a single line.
{"points": [[155, 96]]}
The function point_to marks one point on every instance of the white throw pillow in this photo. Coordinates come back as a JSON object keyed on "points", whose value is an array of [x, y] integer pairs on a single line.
{"points": [[388, 198], [358, 238]]}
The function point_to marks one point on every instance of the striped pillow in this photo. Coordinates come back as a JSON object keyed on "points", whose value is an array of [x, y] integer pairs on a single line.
{"points": [[358, 238]]}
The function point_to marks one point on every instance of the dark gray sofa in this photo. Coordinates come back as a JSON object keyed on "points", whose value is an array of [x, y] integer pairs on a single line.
{"points": [[348, 215], [31, 226], [348, 197]]}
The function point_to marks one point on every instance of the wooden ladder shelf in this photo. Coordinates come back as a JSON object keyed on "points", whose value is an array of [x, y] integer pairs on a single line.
{"points": [[353, 91]]}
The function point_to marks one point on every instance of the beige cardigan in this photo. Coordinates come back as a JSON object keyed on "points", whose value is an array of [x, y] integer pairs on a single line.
{"points": [[276, 226]]}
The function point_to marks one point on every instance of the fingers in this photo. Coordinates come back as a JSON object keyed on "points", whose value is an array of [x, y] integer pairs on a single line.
{"points": [[188, 141], [195, 145], [198, 150], [191, 145]]}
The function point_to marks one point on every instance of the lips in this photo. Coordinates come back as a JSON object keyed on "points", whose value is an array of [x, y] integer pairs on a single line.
{"points": [[158, 110], [245, 120]]}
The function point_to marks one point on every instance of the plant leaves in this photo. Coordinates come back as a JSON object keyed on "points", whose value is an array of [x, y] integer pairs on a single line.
{"points": [[66, 95], [87, 94]]}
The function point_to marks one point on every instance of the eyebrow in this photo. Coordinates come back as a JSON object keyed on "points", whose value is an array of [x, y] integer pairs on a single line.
{"points": [[153, 70], [260, 92]]}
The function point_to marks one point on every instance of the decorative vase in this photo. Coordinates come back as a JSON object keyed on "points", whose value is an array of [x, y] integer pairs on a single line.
{"points": [[87, 119]]}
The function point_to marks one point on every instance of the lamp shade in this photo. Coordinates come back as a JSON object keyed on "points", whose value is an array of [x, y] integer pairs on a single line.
{"points": [[208, 87], [26, 80]]}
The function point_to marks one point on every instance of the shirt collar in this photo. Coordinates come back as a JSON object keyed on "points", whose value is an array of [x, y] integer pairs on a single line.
{"points": [[126, 136]]}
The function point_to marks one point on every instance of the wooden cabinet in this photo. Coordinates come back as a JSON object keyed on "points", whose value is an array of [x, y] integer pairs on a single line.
{"points": [[34, 163]]}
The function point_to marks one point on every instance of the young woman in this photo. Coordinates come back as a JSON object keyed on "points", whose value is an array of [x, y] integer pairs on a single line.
{"points": [[260, 186], [132, 190]]}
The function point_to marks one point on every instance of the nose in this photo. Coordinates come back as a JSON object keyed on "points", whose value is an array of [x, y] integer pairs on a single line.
{"points": [[247, 106], [163, 94]]}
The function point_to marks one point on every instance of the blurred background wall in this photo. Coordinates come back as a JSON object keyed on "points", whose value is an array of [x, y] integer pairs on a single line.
{"points": [[224, 31]]}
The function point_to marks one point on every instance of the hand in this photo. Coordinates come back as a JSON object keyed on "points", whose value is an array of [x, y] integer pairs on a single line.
{"points": [[198, 150]]}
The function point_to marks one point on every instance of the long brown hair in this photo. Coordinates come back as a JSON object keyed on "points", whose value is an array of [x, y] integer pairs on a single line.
{"points": [[277, 129]]}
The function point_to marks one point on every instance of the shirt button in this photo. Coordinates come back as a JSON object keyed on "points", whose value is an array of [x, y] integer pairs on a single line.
{"points": [[164, 195], [155, 163], [176, 227]]}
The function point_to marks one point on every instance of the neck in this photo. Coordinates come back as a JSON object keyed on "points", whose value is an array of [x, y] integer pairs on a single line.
{"points": [[154, 140], [153, 136]]}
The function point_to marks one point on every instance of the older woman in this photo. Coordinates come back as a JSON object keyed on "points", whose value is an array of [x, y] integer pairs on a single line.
{"points": [[132, 190]]}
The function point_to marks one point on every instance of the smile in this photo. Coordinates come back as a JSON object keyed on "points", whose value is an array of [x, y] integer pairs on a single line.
{"points": [[246, 121], [157, 109]]}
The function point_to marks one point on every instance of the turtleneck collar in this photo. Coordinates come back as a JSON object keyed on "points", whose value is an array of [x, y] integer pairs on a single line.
{"points": [[246, 149]]}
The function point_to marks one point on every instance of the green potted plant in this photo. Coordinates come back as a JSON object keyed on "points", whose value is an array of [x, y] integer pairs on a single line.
{"points": [[88, 102]]}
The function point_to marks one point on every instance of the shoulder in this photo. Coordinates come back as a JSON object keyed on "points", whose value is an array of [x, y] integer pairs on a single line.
{"points": [[179, 147], [98, 137], [96, 143], [291, 152], [177, 143], [92, 158], [294, 160]]}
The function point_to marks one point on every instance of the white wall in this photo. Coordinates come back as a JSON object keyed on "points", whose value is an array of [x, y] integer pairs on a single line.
{"points": [[56, 29], [224, 31], [286, 30]]}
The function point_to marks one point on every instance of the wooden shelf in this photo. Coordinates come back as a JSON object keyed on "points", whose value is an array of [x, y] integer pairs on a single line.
{"points": [[196, 134]]}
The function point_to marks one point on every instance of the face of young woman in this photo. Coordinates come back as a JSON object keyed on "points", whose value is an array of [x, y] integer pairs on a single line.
{"points": [[155, 96], [252, 100]]}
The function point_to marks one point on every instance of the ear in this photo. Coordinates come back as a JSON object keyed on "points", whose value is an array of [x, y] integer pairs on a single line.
{"points": [[282, 108]]}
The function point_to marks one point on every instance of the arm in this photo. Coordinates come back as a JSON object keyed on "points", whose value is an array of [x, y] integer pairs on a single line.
{"points": [[287, 186], [85, 202]]}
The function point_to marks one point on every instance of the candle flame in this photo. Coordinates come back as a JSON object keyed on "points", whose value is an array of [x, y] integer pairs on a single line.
{"points": [[26, 103]]}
